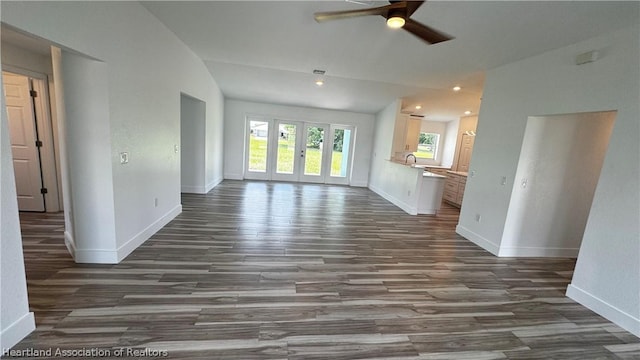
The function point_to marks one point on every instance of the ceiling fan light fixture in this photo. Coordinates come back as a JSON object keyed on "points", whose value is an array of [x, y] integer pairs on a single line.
{"points": [[319, 82], [395, 22]]}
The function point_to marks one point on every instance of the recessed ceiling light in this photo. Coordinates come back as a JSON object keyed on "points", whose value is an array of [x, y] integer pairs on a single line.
{"points": [[418, 107], [467, 112], [457, 88], [319, 82]]}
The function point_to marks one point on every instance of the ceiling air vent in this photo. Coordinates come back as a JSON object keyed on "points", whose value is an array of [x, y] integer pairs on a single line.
{"points": [[319, 72]]}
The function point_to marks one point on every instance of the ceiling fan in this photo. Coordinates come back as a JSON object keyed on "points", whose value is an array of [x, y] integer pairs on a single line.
{"points": [[398, 15]]}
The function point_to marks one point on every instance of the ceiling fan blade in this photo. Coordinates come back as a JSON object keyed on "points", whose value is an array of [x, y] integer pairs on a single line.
{"points": [[425, 33], [335, 15], [412, 6]]}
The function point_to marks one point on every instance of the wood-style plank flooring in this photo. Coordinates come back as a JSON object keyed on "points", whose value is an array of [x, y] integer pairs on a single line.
{"points": [[257, 270]]}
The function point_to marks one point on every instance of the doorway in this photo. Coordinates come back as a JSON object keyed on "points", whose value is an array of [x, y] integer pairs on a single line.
{"points": [[32, 140], [558, 171], [297, 151]]}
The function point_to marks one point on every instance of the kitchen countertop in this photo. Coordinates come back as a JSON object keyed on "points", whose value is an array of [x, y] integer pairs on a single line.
{"points": [[428, 174], [461, 173]]}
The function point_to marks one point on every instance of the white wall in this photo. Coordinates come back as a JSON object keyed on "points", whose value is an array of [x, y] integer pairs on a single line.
{"points": [[147, 69], [192, 145], [25, 59], [450, 142], [557, 174], [15, 319], [606, 278], [88, 146], [234, 133]]}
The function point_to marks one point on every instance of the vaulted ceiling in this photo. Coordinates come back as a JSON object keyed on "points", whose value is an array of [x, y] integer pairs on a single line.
{"points": [[266, 51]]}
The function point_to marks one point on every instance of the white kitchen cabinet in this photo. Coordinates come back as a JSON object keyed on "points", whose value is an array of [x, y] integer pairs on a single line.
{"points": [[406, 134], [454, 187]]}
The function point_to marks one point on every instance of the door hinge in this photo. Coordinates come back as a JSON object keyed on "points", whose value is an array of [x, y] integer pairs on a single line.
{"points": [[38, 143], [43, 191], [33, 93]]}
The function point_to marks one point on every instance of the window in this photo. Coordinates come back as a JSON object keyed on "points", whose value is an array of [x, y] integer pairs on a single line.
{"points": [[427, 146]]}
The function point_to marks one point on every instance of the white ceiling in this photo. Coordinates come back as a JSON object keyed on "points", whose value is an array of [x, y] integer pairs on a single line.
{"points": [[266, 50]]}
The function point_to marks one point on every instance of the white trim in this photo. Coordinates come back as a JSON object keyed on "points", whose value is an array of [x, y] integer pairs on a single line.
{"points": [[234, 176], [70, 243], [359, 184], [411, 210], [538, 252], [606, 310], [96, 256], [17, 331], [213, 184], [145, 234], [193, 189], [114, 256], [486, 244]]}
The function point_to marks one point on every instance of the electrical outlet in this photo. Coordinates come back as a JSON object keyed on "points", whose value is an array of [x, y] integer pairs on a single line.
{"points": [[472, 173], [504, 180], [478, 217], [155, 202], [124, 157], [176, 148], [408, 192], [524, 183]]}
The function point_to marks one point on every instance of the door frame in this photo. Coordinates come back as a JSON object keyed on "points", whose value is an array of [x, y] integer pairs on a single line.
{"points": [[339, 180], [301, 134], [47, 133], [324, 159], [257, 175], [298, 153]]}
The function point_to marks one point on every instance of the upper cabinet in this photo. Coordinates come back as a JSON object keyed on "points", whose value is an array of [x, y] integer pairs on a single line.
{"points": [[406, 134], [464, 144]]}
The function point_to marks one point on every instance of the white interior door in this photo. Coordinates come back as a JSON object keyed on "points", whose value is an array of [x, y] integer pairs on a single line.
{"points": [[341, 142], [26, 158]]}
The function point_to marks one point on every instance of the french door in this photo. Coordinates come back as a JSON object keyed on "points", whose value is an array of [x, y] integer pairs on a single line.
{"points": [[297, 151]]}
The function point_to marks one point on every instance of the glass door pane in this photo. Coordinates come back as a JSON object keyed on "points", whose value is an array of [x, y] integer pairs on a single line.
{"points": [[313, 150], [286, 154], [258, 146], [340, 152]]}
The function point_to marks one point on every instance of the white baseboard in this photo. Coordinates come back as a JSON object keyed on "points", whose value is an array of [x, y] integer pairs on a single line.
{"points": [[411, 210], [604, 309], [359, 184], [70, 244], [128, 247], [213, 184], [193, 189], [486, 244], [114, 256], [233, 176], [538, 252], [17, 331], [96, 256]]}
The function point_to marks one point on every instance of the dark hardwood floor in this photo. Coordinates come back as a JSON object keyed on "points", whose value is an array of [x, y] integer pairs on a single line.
{"points": [[257, 270]]}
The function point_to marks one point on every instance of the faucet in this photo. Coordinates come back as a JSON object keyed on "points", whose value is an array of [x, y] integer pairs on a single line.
{"points": [[407, 159]]}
